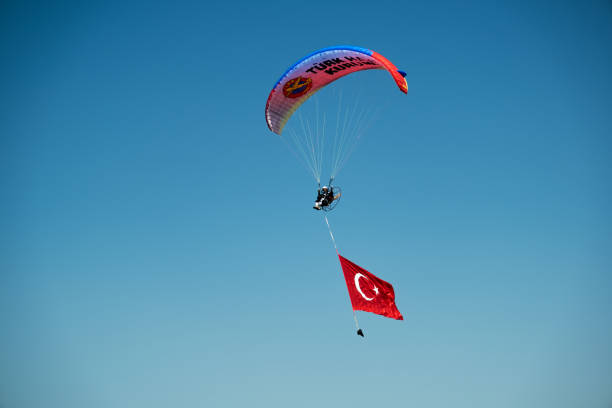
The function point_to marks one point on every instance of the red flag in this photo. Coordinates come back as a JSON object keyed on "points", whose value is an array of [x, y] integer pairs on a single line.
{"points": [[367, 292]]}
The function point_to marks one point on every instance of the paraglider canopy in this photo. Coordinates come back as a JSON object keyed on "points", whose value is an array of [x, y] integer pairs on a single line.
{"points": [[317, 70]]}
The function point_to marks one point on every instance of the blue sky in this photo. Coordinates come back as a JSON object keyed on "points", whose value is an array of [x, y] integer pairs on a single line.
{"points": [[158, 243]]}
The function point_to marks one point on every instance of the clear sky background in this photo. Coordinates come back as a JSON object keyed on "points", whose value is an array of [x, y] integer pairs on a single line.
{"points": [[158, 245]]}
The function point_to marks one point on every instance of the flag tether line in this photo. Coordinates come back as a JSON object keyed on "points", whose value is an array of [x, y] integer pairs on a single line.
{"points": [[331, 234]]}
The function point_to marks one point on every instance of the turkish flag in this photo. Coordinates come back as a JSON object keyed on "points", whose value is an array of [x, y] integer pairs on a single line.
{"points": [[367, 292]]}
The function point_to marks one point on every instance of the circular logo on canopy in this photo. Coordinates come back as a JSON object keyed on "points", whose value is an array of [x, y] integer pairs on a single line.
{"points": [[296, 87]]}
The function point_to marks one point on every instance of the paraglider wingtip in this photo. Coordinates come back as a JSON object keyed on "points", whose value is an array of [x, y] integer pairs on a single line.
{"points": [[402, 73], [360, 333]]}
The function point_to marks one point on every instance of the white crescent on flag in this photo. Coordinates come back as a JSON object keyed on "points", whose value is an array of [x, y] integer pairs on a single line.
{"points": [[360, 275]]}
